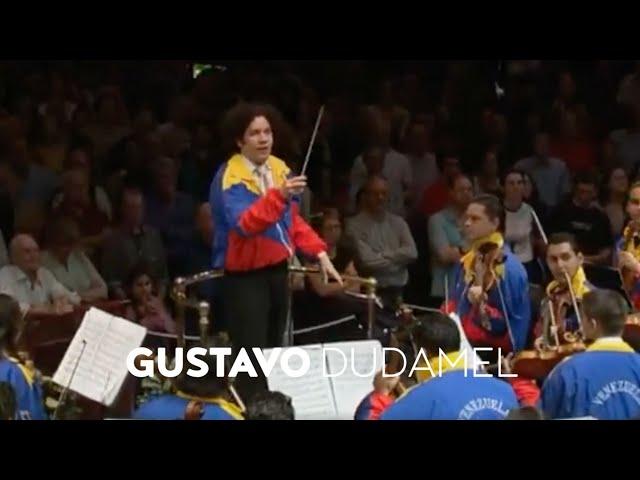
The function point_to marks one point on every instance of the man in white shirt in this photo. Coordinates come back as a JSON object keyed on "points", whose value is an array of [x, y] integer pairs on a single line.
{"points": [[33, 286]]}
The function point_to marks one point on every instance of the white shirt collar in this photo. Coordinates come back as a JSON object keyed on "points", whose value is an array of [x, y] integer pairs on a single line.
{"points": [[265, 167], [21, 276]]}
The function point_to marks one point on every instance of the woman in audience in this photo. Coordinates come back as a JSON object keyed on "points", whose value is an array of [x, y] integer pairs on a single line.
{"points": [[69, 264], [146, 307], [521, 231], [487, 179], [615, 197]]}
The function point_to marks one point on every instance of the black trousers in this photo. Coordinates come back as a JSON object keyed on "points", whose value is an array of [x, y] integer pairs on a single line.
{"points": [[256, 308]]}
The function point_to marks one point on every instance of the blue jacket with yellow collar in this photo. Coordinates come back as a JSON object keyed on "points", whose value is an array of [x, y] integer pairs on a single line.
{"points": [[448, 391], [28, 390], [603, 382], [173, 407], [253, 230]]}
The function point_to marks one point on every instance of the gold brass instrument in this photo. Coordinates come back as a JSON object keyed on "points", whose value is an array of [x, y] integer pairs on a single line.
{"points": [[179, 295]]}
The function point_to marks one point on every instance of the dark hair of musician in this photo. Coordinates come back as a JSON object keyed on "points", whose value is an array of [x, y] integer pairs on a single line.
{"points": [[239, 117], [7, 401], [525, 413], [608, 308], [434, 331], [10, 317], [492, 207], [203, 387], [270, 406], [564, 237]]}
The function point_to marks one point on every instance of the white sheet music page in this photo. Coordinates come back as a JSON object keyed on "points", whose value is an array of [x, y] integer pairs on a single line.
{"points": [[101, 367], [311, 394], [473, 360], [354, 365]]}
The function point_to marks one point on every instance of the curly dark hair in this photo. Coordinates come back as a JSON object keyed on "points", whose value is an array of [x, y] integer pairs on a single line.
{"points": [[239, 117]]}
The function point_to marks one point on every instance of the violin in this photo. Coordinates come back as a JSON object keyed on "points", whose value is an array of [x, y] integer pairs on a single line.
{"points": [[554, 312], [402, 339], [537, 364], [556, 342], [489, 256], [631, 242]]}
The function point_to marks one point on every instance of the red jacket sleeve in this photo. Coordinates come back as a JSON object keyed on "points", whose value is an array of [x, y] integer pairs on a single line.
{"points": [[249, 216], [304, 237], [526, 391], [372, 406]]}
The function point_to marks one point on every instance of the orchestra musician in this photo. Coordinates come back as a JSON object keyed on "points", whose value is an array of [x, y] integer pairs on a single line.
{"points": [[258, 229], [558, 332], [449, 389], [491, 291], [204, 398], [19, 373], [628, 248], [604, 381], [559, 323]]}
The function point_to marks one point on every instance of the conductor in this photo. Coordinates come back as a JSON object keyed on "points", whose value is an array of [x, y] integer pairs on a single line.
{"points": [[254, 199]]}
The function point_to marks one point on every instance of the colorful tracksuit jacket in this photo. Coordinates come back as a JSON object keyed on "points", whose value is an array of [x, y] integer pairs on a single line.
{"points": [[255, 229]]}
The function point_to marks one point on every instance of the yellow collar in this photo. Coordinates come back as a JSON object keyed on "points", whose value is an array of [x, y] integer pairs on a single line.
{"points": [[610, 344], [241, 169], [578, 284], [231, 408], [28, 372], [469, 258]]}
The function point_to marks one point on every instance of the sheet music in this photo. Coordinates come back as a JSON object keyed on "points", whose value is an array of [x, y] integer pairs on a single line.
{"points": [[102, 368], [362, 357], [311, 394], [466, 346]]}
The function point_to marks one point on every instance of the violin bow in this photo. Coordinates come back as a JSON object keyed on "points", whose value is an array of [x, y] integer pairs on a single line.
{"points": [[506, 314], [446, 289], [574, 302], [539, 225]]}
